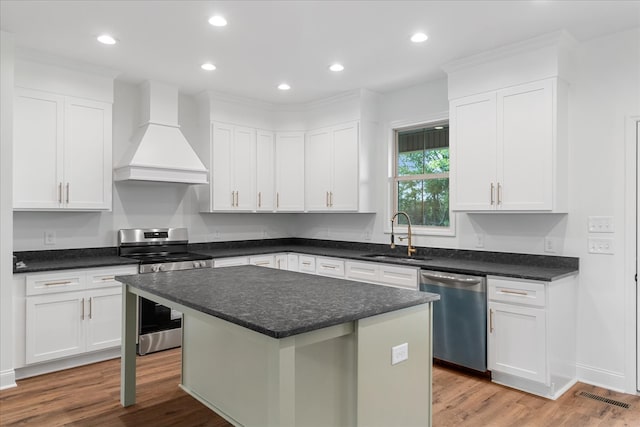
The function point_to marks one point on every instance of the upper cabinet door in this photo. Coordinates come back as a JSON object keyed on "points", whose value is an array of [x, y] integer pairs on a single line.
{"points": [[473, 153], [87, 154], [345, 181], [244, 168], [223, 196], [37, 149], [265, 171], [525, 146], [318, 169], [290, 171]]}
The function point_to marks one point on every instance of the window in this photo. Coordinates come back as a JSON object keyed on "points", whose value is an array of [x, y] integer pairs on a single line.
{"points": [[421, 175]]}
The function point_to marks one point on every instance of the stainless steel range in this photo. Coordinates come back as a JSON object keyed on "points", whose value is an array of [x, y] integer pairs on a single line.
{"points": [[159, 250]]}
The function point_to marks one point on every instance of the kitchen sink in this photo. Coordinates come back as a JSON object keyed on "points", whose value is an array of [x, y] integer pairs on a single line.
{"points": [[396, 257]]}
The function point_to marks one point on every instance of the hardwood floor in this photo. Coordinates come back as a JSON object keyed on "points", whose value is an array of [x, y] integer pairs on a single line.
{"points": [[89, 396]]}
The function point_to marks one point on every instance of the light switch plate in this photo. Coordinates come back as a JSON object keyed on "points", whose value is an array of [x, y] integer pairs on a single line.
{"points": [[601, 246], [600, 224], [399, 353]]}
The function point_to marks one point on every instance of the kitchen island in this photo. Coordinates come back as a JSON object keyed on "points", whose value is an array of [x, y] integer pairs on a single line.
{"points": [[277, 348]]}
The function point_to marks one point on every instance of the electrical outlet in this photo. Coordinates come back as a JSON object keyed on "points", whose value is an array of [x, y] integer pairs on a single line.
{"points": [[600, 224], [399, 353], [49, 237], [600, 246], [367, 235], [479, 240], [550, 245]]}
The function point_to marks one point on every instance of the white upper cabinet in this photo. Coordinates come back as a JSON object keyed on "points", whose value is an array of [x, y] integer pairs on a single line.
{"points": [[508, 127], [504, 150], [289, 161], [234, 167], [62, 152], [331, 168], [265, 171]]}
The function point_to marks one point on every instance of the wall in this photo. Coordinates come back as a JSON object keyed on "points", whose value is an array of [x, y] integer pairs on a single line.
{"points": [[7, 376]]}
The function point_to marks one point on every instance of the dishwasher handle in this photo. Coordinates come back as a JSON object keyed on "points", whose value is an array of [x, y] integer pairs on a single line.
{"points": [[461, 281]]}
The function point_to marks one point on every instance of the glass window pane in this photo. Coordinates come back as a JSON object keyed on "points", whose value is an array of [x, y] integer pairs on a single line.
{"points": [[425, 201], [436, 160], [411, 163]]}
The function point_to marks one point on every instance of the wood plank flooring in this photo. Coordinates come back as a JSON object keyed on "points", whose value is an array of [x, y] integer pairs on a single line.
{"points": [[89, 396]]}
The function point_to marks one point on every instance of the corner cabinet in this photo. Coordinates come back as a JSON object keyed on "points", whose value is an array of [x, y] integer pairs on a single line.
{"points": [[509, 149], [62, 152], [331, 168], [289, 164], [531, 334]]}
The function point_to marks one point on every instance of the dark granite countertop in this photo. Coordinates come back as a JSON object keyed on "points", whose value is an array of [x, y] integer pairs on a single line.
{"points": [[522, 266], [273, 302], [70, 259]]}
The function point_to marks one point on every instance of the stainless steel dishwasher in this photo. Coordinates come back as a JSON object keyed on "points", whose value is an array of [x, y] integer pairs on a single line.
{"points": [[459, 318]]}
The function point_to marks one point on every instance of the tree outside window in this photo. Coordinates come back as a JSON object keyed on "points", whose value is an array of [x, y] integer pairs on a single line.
{"points": [[422, 175]]}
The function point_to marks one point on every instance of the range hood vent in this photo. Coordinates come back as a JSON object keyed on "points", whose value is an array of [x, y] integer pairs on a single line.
{"points": [[159, 151]]}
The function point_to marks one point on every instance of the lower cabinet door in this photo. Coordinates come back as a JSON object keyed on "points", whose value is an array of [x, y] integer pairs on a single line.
{"points": [[517, 341], [103, 318], [54, 326]]}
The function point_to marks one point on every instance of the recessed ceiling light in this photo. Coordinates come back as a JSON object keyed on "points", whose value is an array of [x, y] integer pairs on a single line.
{"points": [[284, 86], [218, 21], [439, 127], [106, 39], [336, 67], [208, 66], [419, 37]]}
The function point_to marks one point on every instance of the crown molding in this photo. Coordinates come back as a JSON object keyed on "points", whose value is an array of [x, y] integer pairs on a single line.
{"points": [[45, 58]]}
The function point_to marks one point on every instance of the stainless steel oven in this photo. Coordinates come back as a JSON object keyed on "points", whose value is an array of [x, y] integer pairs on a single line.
{"points": [[159, 250]]}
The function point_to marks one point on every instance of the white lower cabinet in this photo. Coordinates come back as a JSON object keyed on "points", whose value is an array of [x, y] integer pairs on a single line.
{"points": [[72, 312], [230, 262], [331, 267], [307, 264], [281, 261], [262, 261], [531, 334], [382, 274]]}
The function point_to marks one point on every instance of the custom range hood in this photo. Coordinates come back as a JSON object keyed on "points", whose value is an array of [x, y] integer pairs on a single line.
{"points": [[159, 151]]}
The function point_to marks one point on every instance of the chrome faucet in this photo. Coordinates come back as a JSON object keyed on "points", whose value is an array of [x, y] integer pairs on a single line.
{"points": [[410, 249]]}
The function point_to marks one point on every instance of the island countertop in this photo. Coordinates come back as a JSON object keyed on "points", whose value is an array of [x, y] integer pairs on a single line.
{"points": [[276, 303]]}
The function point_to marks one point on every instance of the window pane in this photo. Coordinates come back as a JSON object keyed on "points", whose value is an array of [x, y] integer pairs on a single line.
{"points": [[411, 163], [436, 161], [425, 201]]}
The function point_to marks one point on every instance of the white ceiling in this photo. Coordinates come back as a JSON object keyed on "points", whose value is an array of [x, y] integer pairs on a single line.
{"points": [[268, 42]]}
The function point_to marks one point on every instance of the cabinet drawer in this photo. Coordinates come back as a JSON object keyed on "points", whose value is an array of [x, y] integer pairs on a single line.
{"points": [[106, 278], [330, 267], [230, 262], [262, 261], [47, 283], [307, 264], [516, 291], [362, 271], [399, 276]]}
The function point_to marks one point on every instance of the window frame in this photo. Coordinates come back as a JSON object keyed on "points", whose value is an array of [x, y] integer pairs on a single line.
{"points": [[393, 179]]}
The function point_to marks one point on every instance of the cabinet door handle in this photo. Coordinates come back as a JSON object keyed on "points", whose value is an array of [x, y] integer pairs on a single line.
{"points": [[259, 199], [326, 202], [278, 200], [237, 198], [82, 315], [65, 282], [278, 263], [90, 308], [492, 190], [108, 278], [330, 199], [67, 193], [60, 193], [499, 194], [491, 320], [507, 291]]}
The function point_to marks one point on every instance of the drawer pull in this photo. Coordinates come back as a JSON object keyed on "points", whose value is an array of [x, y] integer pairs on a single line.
{"points": [[306, 262], [507, 291], [333, 267], [108, 278], [65, 282], [262, 263]]}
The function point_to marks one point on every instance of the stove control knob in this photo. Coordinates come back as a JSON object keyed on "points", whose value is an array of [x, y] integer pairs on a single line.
{"points": [[155, 268]]}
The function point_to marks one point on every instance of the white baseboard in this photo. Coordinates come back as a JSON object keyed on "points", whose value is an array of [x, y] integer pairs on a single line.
{"points": [[601, 377], [7, 379]]}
